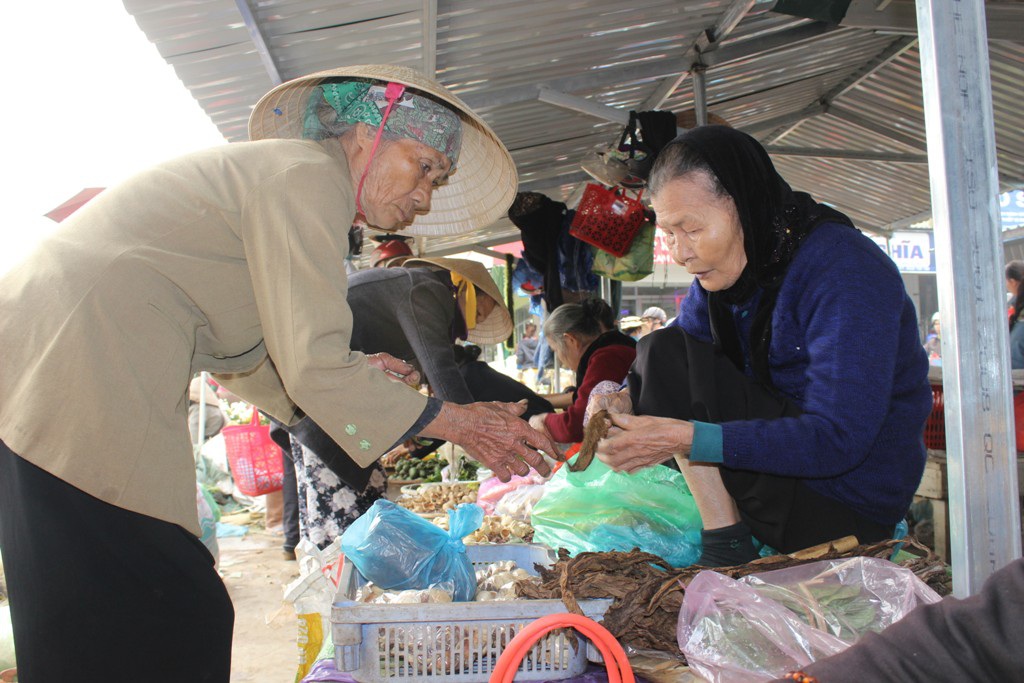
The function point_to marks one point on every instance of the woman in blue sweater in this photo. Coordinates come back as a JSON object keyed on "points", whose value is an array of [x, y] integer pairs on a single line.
{"points": [[791, 389]]}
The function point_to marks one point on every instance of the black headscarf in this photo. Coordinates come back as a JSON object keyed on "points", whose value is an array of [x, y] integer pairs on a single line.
{"points": [[775, 221]]}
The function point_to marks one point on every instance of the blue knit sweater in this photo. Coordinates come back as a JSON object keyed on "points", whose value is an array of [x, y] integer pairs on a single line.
{"points": [[845, 349]]}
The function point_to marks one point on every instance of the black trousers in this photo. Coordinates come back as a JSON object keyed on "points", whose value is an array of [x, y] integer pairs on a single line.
{"points": [[676, 375], [99, 593], [290, 493]]}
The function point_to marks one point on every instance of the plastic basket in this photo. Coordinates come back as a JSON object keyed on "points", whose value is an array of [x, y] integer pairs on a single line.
{"points": [[455, 641], [935, 425], [254, 459]]}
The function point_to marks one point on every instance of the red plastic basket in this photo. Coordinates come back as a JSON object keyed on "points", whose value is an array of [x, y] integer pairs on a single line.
{"points": [[935, 426], [255, 460]]}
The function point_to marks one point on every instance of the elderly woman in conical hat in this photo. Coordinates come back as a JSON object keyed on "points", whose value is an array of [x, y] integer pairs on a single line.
{"points": [[232, 261]]}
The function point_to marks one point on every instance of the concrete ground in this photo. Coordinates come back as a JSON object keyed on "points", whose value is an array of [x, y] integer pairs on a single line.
{"points": [[255, 573]]}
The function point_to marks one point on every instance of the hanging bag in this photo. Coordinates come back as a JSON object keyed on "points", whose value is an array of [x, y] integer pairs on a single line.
{"points": [[608, 219], [254, 459], [638, 262]]}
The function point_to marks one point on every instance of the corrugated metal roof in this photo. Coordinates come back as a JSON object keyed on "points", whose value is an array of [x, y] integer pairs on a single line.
{"points": [[792, 82]]}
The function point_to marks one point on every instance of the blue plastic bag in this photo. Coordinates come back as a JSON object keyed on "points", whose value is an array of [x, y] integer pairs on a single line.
{"points": [[598, 510], [399, 550]]}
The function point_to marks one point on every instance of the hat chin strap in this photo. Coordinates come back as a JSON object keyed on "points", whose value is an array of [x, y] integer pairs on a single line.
{"points": [[391, 94]]}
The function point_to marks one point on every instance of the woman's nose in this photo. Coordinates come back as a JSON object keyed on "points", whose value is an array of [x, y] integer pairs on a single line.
{"points": [[421, 195], [682, 252]]}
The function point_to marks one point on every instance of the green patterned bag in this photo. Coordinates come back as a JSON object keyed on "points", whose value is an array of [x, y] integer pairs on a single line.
{"points": [[638, 262]]}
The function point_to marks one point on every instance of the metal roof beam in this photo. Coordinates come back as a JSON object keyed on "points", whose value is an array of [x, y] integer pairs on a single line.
{"points": [[877, 128], [259, 41], [730, 18], [429, 37], [590, 80], [816, 109], [539, 184], [583, 106], [1004, 20], [858, 155], [601, 78], [767, 43], [664, 91], [891, 52]]}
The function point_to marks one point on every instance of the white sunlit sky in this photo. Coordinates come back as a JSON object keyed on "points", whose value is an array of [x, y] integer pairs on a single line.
{"points": [[88, 102]]}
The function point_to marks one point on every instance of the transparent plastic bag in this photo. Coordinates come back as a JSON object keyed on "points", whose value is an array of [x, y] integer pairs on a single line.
{"points": [[399, 550], [598, 510], [761, 626]]}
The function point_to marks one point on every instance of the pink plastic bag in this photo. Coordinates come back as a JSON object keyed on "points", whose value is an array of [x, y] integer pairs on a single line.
{"points": [[493, 490], [760, 627]]}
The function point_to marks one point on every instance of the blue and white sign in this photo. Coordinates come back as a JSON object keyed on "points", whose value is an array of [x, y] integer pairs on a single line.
{"points": [[1011, 208], [913, 252]]}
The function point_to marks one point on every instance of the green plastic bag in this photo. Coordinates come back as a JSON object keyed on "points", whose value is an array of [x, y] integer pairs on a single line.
{"points": [[637, 264], [599, 509]]}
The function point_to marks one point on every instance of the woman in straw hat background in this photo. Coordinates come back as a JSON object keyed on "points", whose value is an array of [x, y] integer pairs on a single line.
{"points": [[414, 313], [229, 260]]}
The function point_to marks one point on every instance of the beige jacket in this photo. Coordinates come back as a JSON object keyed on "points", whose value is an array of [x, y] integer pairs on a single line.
{"points": [[230, 260]]}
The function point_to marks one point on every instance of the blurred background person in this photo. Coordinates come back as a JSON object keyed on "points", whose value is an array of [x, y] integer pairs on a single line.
{"points": [[526, 353], [630, 326], [933, 342], [652, 319], [1014, 273], [578, 336]]}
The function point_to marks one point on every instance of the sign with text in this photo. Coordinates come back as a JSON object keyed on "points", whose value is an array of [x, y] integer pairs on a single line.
{"points": [[1011, 209], [913, 252]]}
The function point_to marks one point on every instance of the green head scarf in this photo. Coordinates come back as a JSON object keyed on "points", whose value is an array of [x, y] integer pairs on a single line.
{"points": [[413, 116]]}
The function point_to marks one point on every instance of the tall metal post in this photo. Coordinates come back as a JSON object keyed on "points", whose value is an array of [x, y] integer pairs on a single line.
{"points": [[980, 453], [700, 93]]}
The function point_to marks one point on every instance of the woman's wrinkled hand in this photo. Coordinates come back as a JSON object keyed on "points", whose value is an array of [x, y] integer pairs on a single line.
{"points": [[612, 401], [635, 442], [395, 367], [493, 434], [537, 422]]}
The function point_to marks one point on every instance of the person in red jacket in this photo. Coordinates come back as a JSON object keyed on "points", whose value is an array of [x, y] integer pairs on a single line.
{"points": [[579, 335]]}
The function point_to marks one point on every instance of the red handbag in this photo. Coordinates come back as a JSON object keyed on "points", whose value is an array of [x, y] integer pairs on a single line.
{"points": [[608, 219], [254, 459]]}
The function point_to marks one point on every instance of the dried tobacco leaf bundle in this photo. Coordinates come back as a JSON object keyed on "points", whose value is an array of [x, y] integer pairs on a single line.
{"points": [[597, 429]]}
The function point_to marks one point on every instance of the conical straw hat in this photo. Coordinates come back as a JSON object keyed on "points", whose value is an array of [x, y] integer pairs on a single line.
{"points": [[476, 195], [497, 326]]}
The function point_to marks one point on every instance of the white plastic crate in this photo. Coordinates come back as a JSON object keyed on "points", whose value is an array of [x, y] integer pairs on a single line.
{"points": [[455, 641]]}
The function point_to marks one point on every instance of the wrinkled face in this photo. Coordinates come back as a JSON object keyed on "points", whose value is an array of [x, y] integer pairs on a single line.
{"points": [[485, 305], [403, 174], [703, 230], [569, 352]]}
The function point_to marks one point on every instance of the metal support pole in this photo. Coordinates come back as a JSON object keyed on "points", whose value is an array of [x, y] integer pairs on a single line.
{"points": [[980, 453], [201, 432], [700, 93]]}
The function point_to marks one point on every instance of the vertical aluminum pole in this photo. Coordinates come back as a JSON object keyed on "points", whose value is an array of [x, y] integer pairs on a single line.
{"points": [[980, 450], [700, 93], [201, 432]]}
